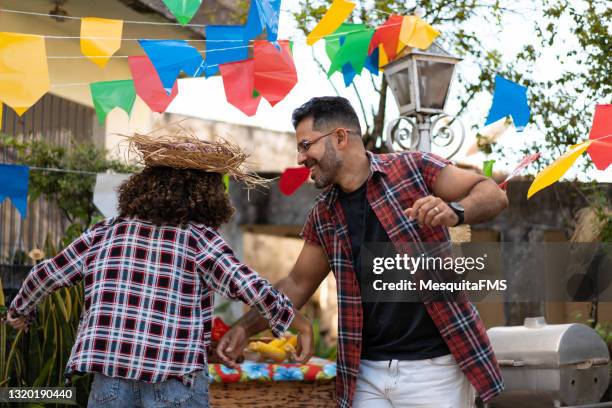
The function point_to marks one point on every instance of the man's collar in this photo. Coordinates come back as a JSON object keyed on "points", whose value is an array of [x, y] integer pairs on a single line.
{"points": [[377, 165]]}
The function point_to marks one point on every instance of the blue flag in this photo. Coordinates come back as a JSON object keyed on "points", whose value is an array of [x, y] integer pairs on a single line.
{"points": [[170, 57], [348, 73], [14, 185], [263, 13], [371, 63], [224, 44], [509, 98]]}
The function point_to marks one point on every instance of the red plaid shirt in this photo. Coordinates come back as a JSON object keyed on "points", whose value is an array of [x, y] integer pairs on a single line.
{"points": [[149, 297], [396, 182]]}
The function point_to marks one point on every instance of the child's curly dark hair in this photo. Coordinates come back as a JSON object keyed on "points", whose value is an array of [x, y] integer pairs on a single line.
{"points": [[169, 196]]}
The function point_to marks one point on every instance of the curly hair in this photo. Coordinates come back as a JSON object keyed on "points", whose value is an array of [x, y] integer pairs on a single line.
{"points": [[165, 195]]}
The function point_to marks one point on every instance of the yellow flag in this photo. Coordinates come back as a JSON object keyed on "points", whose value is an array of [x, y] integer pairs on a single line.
{"points": [[100, 37], [24, 75], [382, 57], [1, 117], [337, 13], [558, 168], [417, 33]]}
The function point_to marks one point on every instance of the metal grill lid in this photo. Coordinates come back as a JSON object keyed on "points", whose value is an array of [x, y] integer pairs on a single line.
{"points": [[539, 344]]}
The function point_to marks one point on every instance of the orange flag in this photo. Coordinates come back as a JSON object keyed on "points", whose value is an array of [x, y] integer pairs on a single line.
{"points": [[100, 38]]}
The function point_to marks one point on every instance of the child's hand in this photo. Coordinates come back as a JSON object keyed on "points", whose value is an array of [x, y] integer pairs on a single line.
{"points": [[305, 346], [18, 323]]}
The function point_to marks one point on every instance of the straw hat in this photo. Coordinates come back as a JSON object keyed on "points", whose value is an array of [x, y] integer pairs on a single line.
{"points": [[181, 149]]}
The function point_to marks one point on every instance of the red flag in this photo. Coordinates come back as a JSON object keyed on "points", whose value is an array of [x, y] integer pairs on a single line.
{"points": [[238, 82], [601, 150], [275, 73], [527, 160], [148, 85], [388, 35], [292, 178]]}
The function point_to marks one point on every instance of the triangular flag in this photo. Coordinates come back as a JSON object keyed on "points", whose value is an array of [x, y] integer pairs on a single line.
{"points": [[148, 85], [263, 13], [170, 57], [183, 10], [335, 15], [417, 33], [354, 50], [224, 44], [100, 38], [14, 185], [558, 168], [348, 74], [371, 63], [24, 75], [238, 80], [388, 35], [487, 168], [112, 94], [601, 150], [382, 58], [509, 98], [275, 74], [292, 178], [105, 193], [527, 160]]}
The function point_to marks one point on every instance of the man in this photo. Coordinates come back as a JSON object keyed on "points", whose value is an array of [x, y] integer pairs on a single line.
{"points": [[389, 354]]}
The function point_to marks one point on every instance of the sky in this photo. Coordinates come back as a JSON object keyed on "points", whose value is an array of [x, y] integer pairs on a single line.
{"points": [[206, 98]]}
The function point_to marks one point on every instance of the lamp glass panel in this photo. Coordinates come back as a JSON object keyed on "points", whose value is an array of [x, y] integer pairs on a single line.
{"points": [[434, 79], [401, 86]]}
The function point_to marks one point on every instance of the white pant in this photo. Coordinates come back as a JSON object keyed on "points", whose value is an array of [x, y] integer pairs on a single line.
{"points": [[431, 383]]}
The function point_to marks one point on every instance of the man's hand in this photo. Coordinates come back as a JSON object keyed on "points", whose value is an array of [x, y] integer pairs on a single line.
{"points": [[18, 323], [431, 211], [231, 345]]}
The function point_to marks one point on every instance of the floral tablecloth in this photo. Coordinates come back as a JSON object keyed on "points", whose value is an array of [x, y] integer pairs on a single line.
{"points": [[316, 369]]}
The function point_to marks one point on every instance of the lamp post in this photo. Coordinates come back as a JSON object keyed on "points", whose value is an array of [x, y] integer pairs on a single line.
{"points": [[420, 82]]}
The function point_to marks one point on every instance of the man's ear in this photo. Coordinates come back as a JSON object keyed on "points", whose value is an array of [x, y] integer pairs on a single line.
{"points": [[342, 138]]}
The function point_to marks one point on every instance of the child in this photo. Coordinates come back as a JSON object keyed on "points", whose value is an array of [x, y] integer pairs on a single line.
{"points": [[149, 276]]}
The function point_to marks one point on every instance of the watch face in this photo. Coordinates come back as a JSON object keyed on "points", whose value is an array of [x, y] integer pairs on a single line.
{"points": [[457, 207]]}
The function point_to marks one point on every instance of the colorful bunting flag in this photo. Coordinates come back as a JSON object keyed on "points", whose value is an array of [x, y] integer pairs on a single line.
{"points": [[183, 10], [487, 168], [292, 178], [170, 57], [24, 75], [600, 150], [558, 168], [112, 94], [371, 63], [387, 35], [100, 38], [417, 33], [348, 74], [354, 50], [238, 82], [105, 193], [224, 44], [335, 15], [275, 74], [509, 98], [263, 13], [148, 85], [14, 185], [526, 161]]}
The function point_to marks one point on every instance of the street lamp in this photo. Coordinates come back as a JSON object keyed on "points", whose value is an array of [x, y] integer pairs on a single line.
{"points": [[420, 82]]}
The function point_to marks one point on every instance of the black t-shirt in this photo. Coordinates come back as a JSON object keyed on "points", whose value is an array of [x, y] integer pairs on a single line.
{"points": [[391, 330]]}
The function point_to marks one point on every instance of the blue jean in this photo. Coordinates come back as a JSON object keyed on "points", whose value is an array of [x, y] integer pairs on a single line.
{"points": [[112, 392]]}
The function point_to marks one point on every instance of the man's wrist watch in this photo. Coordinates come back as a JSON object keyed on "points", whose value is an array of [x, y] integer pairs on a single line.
{"points": [[459, 210]]}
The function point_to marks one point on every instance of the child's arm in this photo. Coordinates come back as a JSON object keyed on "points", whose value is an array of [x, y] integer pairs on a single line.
{"points": [[64, 269], [228, 276]]}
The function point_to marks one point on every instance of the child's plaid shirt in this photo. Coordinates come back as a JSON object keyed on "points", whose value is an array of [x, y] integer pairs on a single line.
{"points": [[149, 297]]}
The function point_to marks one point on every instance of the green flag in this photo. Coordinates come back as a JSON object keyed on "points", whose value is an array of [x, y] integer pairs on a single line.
{"points": [[332, 41], [109, 95], [487, 168], [183, 10], [354, 50]]}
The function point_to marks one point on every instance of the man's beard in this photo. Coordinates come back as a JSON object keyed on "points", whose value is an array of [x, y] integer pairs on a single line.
{"points": [[328, 166]]}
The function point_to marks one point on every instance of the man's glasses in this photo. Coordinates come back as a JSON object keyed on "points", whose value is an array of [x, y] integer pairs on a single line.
{"points": [[305, 144]]}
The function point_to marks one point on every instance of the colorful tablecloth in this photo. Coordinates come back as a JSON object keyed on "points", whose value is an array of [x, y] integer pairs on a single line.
{"points": [[316, 369]]}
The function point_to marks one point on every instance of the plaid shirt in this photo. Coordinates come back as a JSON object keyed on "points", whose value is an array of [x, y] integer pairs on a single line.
{"points": [[396, 181], [149, 297]]}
